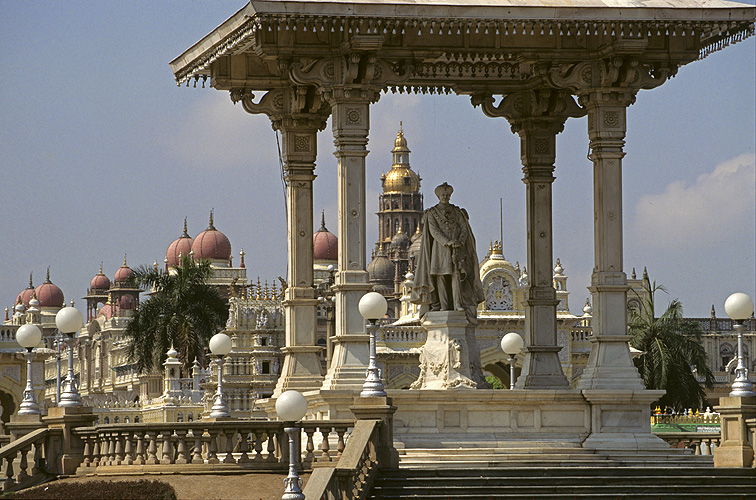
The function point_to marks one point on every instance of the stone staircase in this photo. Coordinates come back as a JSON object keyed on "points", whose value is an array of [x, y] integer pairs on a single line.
{"points": [[544, 456], [598, 481]]}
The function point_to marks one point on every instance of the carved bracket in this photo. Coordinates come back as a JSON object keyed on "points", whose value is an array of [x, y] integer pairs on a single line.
{"points": [[353, 69], [297, 103], [623, 73], [533, 109]]}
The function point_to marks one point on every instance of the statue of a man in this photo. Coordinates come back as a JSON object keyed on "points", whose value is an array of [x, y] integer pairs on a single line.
{"points": [[446, 276]]}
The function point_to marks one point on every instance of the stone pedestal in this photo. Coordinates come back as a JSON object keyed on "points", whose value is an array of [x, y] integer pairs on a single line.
{"points": [[445, 357], [380, 408], [621, 421], [735, 450], [21, 425], [71, 452]]}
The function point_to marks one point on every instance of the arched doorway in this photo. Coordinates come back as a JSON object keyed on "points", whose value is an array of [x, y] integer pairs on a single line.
{"points": [[9, 407]]}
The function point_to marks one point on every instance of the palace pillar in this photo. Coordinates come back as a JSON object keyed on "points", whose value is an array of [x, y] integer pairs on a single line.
{"points": [[351, 125], [537, 117], [610, 365], [298, 113]]}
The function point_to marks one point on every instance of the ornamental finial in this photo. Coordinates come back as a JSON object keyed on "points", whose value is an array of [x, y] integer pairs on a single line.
{"points": [[186, 233], [47, 280], [211, 227], [31, 281]]}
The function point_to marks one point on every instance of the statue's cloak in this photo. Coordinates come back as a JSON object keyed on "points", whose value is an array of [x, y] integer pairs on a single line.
{"points": [[471, 289]]}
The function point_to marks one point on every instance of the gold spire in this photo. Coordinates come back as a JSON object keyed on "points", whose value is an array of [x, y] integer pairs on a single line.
{"points": [[258, 289], [211, 227], [265, 290], [186, 233], [31, 280], [124, 261], [47, 280], [322, 221]]}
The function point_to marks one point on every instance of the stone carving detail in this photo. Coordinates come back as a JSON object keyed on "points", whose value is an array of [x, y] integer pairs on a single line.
{"points": [[541, 146], [302, 143], [624, 73], [548, 107], [611, 119], [354, 116]]}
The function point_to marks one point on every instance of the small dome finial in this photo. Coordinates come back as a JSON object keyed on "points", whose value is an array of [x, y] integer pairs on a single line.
{"points": [[31, 280], [634, 276], [241, 256], [124, 261], [186, 232], [211, 227], [47, 279], [322, 221], [713, 313]]}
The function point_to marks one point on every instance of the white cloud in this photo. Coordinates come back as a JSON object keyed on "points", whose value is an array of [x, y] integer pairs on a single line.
{"points": [[718, 205], [217, 134]]}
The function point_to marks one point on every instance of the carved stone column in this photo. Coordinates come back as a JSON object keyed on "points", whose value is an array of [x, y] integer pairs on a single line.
{"points": [[610, 365], [298, 113], [537, 117], [351, 124]]}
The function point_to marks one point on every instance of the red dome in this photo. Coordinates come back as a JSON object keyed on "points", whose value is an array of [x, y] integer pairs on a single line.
{"points": [[211, 244], [126, 302], [49, 294], [179, 247], [100, 281], [26, 294], [106, 310], [123, 273], [325, 244]]}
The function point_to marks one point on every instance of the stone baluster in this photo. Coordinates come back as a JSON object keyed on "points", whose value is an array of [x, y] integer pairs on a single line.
{"points": [[88, 442], [244, 435], [37, 457], [230, 435], [10, 481], [139, 459], [325, 446], [128, 448], [310, 446], [152, 457], [96, 451], [258, 447], [271, 458], [167, 448], [181, 452], [340, 431], [117, 438], [23, 464], [110, 460], [212, 447]]}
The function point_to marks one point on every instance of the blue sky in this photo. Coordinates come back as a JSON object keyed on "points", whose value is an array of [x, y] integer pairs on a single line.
{"points": [[102, 155]]}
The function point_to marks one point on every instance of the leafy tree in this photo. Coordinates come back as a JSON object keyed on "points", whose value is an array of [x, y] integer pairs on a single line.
{"points": [[495, 382], [672, 351], [183, 310]]}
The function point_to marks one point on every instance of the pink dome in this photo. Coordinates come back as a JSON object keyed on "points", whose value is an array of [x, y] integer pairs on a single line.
{"points": [[179, 247], [100, 281], [211, 244], [126, 302], [123, 273], [325, 244], [49, 294], [26, 294], [106, 310]]}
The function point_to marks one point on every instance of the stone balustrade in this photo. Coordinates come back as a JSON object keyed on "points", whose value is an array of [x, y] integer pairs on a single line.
{"points": [[702, 443], [25, 460], [402, 334], [205, 446]]}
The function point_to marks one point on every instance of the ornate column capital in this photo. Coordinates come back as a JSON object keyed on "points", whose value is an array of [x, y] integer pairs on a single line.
{"points": [[292, 107], [542, 109]]}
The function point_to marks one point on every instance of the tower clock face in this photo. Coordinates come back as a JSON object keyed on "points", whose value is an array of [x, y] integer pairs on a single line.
{"points": [[499, 295]]}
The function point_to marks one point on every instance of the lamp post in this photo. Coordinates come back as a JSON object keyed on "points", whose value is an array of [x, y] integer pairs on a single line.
{"points": [[739, 307], [511, 344], [69, 321], [291, 406], [58, 342], [220, 345], [29, 336], [372, 307]]}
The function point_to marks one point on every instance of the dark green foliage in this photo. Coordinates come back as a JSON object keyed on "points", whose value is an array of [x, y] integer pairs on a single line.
{"points": [[672, 350], [183, 310], [495, 382], [97, 490]]}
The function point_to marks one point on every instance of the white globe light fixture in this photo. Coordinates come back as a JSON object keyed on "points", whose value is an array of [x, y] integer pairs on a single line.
{"points": [[69, 321], [511, 344], [291, 406], [373, 306], [739, 307], [220, 346], [28, 337]]}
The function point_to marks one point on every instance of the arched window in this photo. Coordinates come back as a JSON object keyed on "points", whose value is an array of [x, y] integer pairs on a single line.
{"points": [[107, 420], [726, 353], [179, 417], [190, 417], [136, 420], [126, 420], [117, 420]]}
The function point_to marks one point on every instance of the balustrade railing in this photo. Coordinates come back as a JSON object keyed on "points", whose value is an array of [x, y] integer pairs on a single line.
{"points": [[353, 475], [401, 334], [702, 443], [26, 460], [206, 445]]}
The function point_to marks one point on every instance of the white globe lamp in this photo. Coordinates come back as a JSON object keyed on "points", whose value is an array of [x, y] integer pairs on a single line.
{"points": [[739, 307], [28, 337], [511, 344], [373, 306], [220, 345], [69, 321], [291, 406]]}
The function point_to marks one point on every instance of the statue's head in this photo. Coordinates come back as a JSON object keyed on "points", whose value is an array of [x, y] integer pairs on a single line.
{"points": [[444, 192]]}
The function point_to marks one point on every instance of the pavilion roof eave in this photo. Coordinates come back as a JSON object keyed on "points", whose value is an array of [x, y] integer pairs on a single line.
{"points": [[238, 31]]}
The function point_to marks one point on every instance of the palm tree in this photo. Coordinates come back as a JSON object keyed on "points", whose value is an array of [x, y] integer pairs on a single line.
{"points": [[673, 353], [183, 311]]}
